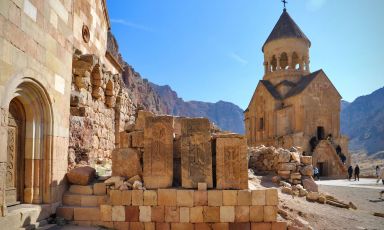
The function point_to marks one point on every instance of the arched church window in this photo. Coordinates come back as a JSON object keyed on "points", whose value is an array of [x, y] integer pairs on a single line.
{"points": [[284, 61], [295, 61], [273, 63]]}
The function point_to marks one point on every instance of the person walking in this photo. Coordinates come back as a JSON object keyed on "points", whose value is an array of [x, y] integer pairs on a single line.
{"points": [[316, 173], [357, 173], [350, 171], [380, 175], [377, 171]]}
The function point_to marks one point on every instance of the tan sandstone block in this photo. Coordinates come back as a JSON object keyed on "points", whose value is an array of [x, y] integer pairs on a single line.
{"points": [[200, 198], [203, 226], [121, 225], [279, 225], [137, 139], [137, 197], [136, 225], [81, 189], [184, 214], [167, 197], [271, 197], [163, 226], [141, 118], [72, 199], [118, 213], [196, 214], [227, 214], [261, 226], [256, 213], [99, 189], [150, 197], [258, 197], [242, 214], [172, 214], [106, 212], [240, 226], [220, 226], [86, 213], [229, 197], [215, 197], [182, 226], [120, 167], [89, 200], [211, 214], [157, 214], [244, 197], [202, 186], [126, 197], [150, 226], [65, 212], [125, 142], [145, 214], [184, 198], [132, 213], [115, 196], [270, 213]]}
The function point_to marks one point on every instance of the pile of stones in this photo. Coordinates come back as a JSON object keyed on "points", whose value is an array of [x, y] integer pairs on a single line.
{"points": [[122, 183]]}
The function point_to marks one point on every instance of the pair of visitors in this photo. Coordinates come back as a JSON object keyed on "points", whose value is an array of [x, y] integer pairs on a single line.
{"points": [[316, 173], [350, 172], [357, 173]]}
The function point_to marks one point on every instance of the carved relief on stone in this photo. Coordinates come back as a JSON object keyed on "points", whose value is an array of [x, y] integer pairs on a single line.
{"points": [[231, 163], [85, 33], [11, 158], [158, 152]]}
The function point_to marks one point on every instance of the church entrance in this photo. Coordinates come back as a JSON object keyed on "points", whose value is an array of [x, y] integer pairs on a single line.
{"points": [[322, 168], [15, 154], [320, 133]]}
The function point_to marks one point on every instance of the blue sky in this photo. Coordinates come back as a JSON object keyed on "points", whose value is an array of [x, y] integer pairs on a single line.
{"points": [[210, 50]]}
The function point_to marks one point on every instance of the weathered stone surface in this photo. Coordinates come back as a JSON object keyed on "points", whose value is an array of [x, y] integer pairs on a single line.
{"points": [[86, 213], [200, 198], [167, 197], [227, 214], [256, 213], [261, 226], [271, 196], [99, 189], [81, 175], [132, 213], [284, 174], [244, 197], [215, 197], [310, 185], [137, 197], [121, 167], [258, 197], [81, 189], [65, 212], [231, 163], [141, 119], [158, 152], [242, 213], [157, 213], [279, 225], [118, 213], [196, 214], [202, 186], [185, 198], [307, 170], [145, 214], [137, 139], [150, 197], [306, 160], [312, 196], [184, 215], [270, 213], [211, 214], [287, 167], [229, 197], [295, 157], [106, 212], [196, 155], [172, 214]]}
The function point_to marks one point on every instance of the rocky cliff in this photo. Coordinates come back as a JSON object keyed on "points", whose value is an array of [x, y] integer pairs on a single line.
{"points": [[362, 120], [226, 115]]}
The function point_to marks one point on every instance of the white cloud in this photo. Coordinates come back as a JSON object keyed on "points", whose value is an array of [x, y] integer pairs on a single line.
{"points": [[237, 58], [315, 5], [131, 24]]}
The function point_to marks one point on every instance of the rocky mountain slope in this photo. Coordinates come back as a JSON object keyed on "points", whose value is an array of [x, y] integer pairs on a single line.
{"points": [[363, 121], [226, 115]]}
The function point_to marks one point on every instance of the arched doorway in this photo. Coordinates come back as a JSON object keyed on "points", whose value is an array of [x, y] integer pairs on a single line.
{"points": [[14, 186]]}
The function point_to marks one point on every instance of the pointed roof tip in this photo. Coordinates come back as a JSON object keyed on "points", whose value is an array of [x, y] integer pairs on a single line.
{"points": [[286, 27]]}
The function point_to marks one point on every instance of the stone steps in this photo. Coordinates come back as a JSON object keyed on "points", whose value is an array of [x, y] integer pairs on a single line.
{"points": [[72, 199], [78, 213]]}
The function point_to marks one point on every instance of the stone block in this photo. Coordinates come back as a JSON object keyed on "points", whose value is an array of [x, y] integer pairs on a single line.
{"points": [[184, 214], [220, 226], [121, 225], [171, 214], [120, 167], [200, 198], [103, 224], [244, 197], [157, 213], [227, 214], [242, 214], [99, 189], [118, 213], [125, 141], [182, 226], [310, 184], [89, 200], [150, 197], [239, 226], [261, 226], [231, 163], [136, 225], [81, 189], [306, 160], [196, 152], [86, 213], [137, 139], [229, 197], [185, 198], [196, 214], [270, 213], [137, 197], [271, 197], [132, 213], [306, 170], [116, 197], [167, 197], [215, 197], [106, 212], [145, 214], [158, 152], [202, 186], [287, 167], [256, 213], [163, 226], [279, 225], [284, 174], [81, 175], [72, 199], [211, 214], [65, 212], [284, 156], [141, 119], [149, 226], [126, 197]]}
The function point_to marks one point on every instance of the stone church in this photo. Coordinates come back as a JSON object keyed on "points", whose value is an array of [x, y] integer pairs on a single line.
{"points": [[292, 106]]}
